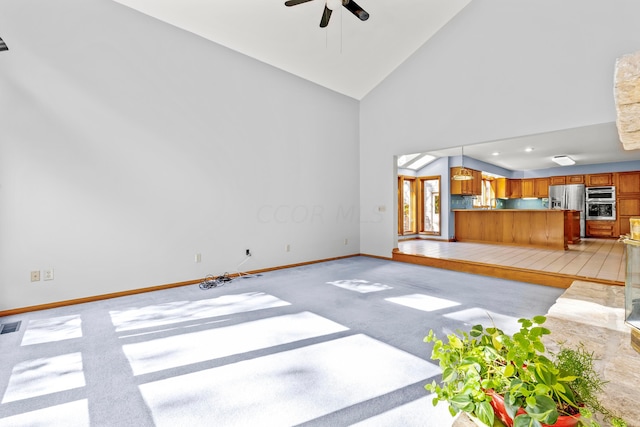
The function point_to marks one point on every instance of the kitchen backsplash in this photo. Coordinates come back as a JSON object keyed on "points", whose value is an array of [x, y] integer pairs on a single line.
{"points": [[466, 202]]}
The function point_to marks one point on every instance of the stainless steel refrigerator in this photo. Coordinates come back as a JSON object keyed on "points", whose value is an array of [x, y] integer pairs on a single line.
{"points": [[571, 196]]}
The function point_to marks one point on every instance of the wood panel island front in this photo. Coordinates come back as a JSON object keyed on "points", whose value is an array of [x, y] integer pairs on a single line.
{"points": [[543, 228]]}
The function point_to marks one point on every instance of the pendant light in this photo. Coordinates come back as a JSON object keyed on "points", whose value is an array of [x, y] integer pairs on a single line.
{"points": [[462, 174]]}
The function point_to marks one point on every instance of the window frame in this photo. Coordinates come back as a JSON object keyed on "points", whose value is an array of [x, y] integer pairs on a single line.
{"points": [[421, 213], [413, 214]]}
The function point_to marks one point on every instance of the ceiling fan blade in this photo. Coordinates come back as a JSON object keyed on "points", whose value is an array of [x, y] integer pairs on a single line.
{"points": [[356, 10], [294, 2], [325, 17]]}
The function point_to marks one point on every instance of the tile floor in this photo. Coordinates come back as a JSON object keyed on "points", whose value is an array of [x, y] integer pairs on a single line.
{"points": [[591, 258]]}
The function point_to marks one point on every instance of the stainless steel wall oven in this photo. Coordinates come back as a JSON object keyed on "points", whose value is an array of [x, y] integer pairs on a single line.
{"points": [[601, 193], [601, 203]]}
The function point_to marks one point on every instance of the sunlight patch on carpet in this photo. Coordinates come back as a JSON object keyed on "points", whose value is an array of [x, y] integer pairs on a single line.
{"points": [[184, 349], [358, 285], [53, 329], [423, 302], [475, 316], [285, 388], [45, 375], [72, 414], [185, 311]]}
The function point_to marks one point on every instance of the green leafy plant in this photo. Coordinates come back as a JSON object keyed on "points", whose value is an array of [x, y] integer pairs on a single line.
{"points": [[537, 386]]}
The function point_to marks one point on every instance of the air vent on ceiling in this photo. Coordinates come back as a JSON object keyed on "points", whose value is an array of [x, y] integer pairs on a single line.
{"points": [[7, 328], [3, 45]]}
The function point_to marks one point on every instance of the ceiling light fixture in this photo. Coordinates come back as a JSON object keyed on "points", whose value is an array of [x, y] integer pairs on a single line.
{"points": [[462, 174], [528, 149], [563, 160], [3, 45]]}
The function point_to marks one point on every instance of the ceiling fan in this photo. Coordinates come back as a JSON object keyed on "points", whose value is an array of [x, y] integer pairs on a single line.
{"points": [[350, 5]]}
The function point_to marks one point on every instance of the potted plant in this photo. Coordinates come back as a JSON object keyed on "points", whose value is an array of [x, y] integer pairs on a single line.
{"points": [[489, 374]]}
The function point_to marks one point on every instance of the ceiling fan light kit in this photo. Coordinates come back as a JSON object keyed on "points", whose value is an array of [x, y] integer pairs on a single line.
{"points": [[331, 5]]}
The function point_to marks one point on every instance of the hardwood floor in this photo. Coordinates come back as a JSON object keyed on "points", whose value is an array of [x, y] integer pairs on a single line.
{"points": [[596, 260]]}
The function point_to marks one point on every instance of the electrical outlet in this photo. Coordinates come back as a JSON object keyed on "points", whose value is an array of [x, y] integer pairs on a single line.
{"points": [[48, 274], [198, 258], [35, 276]]}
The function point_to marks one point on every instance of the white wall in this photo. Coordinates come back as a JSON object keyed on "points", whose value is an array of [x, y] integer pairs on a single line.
{"points": [[499, 69], [127, 146]]}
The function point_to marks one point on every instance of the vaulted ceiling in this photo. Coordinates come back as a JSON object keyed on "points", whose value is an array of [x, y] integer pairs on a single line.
{"points": [[349, 56], [352, 57]]}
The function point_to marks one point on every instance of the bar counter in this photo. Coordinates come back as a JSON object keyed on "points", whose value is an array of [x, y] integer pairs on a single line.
{"points": [[543, 228]]}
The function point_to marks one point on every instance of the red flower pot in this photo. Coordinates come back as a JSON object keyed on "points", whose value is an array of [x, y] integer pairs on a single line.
{"points": [[497, 403]]}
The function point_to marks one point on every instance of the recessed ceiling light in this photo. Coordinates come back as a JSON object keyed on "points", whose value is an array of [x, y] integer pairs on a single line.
{"points": [[528, 149], [495, 153], [563, 160]]}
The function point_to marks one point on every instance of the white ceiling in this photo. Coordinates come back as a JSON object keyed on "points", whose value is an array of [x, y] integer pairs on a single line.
{"points": [[349, 56]]}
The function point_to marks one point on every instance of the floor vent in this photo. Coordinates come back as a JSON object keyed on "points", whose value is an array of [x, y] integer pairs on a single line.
{"points": [[7, 328]]}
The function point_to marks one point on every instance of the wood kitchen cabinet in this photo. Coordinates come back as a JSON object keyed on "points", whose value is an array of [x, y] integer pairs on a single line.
{"points": [[572, 227], [541, 187], [472, 187], [502, 191], [575, 179], [599, 179], [527, 187], [628, 184], [601, 229], [526, 227], [568, 179], [627, 209], [515, 188], [477, 183]]}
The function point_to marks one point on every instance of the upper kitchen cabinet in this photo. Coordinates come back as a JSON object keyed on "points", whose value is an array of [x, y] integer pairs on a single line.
{"points": [[599, 179], [628, 184], [515, 188], [502, 188], [522, 187], [472, 187], [569, 179], [541, 187], [527, 187], [575, 179]]}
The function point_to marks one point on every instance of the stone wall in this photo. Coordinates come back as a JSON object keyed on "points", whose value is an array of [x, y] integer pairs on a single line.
{"points": [[627, 97]]}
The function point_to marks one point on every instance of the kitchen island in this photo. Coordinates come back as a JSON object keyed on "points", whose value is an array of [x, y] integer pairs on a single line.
{"points": [[543, 228]]}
